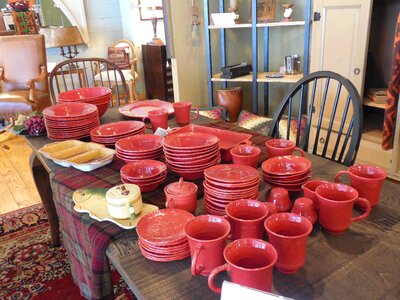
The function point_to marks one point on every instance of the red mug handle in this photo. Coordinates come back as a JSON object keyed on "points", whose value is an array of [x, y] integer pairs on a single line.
{"points": [[212, 276], [196, 270], [197, 113], [170, 203], [300, 150], [338, 174], [366, 204]]}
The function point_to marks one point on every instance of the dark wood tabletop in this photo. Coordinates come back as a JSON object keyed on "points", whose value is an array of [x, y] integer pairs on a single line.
{"points": [[361, 263]]}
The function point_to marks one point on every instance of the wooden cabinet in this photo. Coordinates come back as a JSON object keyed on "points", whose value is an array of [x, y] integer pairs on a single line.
{"points": [[259, 48], [157, 72]]}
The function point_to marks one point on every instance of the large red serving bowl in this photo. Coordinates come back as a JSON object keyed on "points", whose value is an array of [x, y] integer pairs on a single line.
{"points": [[85, 94]]}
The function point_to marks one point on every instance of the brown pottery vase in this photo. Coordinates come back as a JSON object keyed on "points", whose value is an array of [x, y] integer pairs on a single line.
{"points": [[231, 99]]}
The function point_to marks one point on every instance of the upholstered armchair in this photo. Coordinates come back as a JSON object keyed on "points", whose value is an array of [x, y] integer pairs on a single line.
{"points": [[23, 74]]}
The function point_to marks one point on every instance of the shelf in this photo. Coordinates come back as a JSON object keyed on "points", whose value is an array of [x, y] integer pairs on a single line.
{"points": [[261, 77], [248, 25], [368, 102]]}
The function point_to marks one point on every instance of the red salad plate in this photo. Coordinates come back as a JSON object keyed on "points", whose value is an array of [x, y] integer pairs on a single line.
{"points": [[164, 226], [117, 129], [231, 173], [69, 111]]}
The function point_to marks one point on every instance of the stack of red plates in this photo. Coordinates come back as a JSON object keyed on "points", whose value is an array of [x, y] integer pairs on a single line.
{"points": [[226, 183], [110, 133], [162, 236], [138, 147], [188, 154], [289, 172], [70, 120], [146, 173], [98, 95]]}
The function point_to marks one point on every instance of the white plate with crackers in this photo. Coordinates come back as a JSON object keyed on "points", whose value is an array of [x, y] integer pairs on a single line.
{"points": [[80, 155]]}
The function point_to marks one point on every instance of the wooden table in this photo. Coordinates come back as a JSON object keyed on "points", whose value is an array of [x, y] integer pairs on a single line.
{"points": [[361, 263]]}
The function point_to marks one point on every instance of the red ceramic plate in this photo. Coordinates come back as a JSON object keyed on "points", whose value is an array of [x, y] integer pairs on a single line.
{"points": [[231, 173], [142, 143], [140, 109], [164, 226], [286, 165], [69, 111], [117, 129], [190, 140]]}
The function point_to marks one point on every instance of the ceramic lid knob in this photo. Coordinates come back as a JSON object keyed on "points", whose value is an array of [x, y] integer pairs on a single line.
{"points": [[181, 188]]}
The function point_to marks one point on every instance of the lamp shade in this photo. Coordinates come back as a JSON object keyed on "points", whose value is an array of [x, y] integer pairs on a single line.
{"points": [[62, 36]]}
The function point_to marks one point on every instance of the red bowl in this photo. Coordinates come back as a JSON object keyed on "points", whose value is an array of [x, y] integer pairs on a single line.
{"points": [[139, 144], [286, 165], [84, 94], [143, 169], [190, 140]]}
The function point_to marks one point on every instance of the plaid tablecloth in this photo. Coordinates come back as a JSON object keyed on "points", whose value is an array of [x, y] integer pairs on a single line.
{"points": [[86, 239]]}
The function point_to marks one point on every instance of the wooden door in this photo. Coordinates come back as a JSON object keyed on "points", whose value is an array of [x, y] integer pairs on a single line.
{"points": [[339, 40], [339, 43]]}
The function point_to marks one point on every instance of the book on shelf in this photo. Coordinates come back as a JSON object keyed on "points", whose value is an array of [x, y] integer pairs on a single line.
{"points": [[377, 95], [235, 71]]}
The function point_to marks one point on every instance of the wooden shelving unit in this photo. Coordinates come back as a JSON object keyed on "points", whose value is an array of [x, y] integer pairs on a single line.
{"points": [[259, 71]]}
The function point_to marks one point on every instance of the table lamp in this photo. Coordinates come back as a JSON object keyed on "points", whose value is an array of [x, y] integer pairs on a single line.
{"points": [[68, 37]]}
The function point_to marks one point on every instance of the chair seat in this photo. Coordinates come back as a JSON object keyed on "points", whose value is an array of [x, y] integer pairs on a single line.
{"points": [[17, 102], [127, 74]]}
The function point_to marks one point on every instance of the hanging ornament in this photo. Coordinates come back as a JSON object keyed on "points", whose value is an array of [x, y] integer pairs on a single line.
{"points": [[194, 16]]}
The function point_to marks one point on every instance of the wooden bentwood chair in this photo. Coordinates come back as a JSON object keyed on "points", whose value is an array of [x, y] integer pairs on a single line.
{"points": [[84, 72], [332, 125]]}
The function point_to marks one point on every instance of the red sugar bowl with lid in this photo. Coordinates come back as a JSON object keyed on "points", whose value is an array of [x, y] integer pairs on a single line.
{"points": [[182, 195]]}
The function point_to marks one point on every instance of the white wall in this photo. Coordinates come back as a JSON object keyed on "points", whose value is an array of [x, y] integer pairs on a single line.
{"points": [[104, 25], [139, 32]]}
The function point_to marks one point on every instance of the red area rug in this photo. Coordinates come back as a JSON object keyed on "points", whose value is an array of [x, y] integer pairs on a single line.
{"points": [[30, 268]]}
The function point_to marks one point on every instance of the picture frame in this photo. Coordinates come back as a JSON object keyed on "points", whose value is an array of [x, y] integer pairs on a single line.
{"points": [[148, 9], [265, 10]]}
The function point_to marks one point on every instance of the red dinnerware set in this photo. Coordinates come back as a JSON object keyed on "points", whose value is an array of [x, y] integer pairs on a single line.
{"points": [[226, 183], [99, 96], [188, 154], [146, 173], [70, 120], [162, 236], [138, 147], [109, 134]]}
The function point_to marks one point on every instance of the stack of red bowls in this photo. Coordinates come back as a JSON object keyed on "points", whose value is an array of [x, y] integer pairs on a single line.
{"points": [[226, 183], [188, 154], [109, 134], [70, 120], [161, 235], [138, 147], [98, 95], [146, 173], [289, 172]]}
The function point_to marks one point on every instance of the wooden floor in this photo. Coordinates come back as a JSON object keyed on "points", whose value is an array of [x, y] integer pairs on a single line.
{"points": [[17, 188]]}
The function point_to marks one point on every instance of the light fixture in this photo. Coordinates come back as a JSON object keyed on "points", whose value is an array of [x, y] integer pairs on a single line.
{"points": [[66, 38]]}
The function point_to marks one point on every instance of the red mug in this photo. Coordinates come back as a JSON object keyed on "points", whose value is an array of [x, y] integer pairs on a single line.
{"points": [[336, 203], [182, 113], [158, 118], [246, 217], [182, 195], [245, 155], [367, 180], [288, 233], [207, 235], [249, 262], [281, 147]]}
